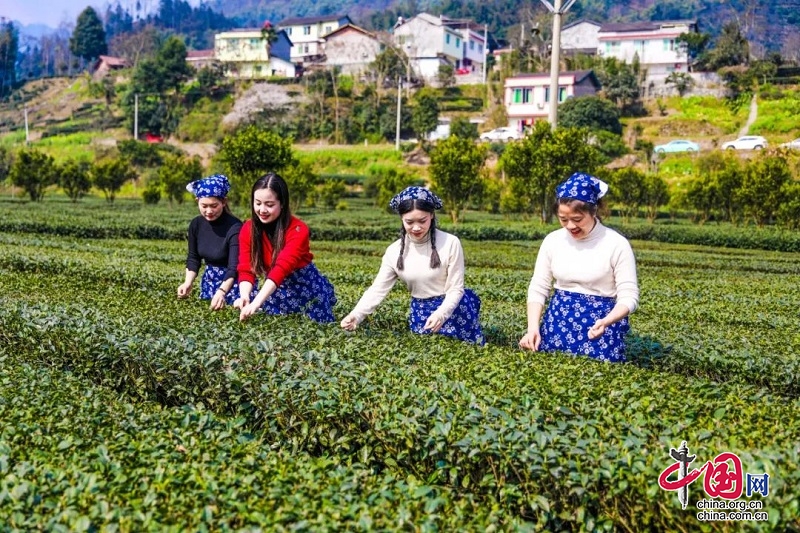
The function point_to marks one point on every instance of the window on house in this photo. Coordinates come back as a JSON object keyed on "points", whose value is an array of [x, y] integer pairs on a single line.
{"points": [[527, 93], [306, 30], [472, 45], [516, 97], [253, 42], [328, 29], [288, 31], [669, 45], [612, 47], [458, 42], [305, 48], [257, 70], [562, 94], [480, 48], [547, 94], [447, 38], [639, 45]]}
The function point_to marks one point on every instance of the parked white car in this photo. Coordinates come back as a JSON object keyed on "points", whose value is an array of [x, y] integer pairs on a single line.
{"points": [[501, 134], [792, 145], [748, 142]]}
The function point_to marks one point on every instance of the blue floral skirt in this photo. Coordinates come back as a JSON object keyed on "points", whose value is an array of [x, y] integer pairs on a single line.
{"points": [[213, 276], [464, 324], [304, 291], [567, 321]]}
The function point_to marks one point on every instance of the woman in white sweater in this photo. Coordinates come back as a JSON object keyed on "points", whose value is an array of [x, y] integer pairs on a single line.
{"points": [[431, 264], [595, 280]]}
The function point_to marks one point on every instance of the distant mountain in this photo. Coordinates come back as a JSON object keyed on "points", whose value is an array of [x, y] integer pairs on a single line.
{"points": [[768, 24], [33, 30]]}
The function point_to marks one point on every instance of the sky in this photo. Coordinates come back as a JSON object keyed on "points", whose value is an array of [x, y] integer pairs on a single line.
{"points": [[54, 12], [48, 12]]}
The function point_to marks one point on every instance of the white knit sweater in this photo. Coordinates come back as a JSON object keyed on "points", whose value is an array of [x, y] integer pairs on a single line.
{"points": [[600, 264], [422, 280]]}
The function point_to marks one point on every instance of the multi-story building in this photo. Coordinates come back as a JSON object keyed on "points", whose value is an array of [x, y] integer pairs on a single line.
{"points": [[246, 53], [527, 96], [307, 35], [428, 43], [654, 43], [473, 42], [351, 48]]}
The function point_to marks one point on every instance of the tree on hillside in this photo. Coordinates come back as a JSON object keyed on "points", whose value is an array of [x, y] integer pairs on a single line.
{"points": [[109, 176], [620, 83], [175, 172], [5, 163], [731, 48], [424, 115], [462, 127], [628, 190], [117, 20], [590, 112], [682, 82], [171, 61], [455, 170], [34, 171], [655, 194], [251, 152], [535, 165], [9, 47], [88, 40], [763, 187], [73, 177]]}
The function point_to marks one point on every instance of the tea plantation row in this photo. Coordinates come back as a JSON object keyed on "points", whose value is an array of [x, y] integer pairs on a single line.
{"points": [[480, 437]]}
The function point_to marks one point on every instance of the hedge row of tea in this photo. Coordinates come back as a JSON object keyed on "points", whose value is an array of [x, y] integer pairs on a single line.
{"points": [[73, 457], [480, 437]]}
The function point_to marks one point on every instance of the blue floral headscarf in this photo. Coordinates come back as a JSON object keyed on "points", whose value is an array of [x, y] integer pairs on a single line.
{"points": [[582, 187], [415, 193], [216, 185]]}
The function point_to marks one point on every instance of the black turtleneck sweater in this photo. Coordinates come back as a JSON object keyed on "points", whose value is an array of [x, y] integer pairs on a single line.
{"points": [[216, 243]]}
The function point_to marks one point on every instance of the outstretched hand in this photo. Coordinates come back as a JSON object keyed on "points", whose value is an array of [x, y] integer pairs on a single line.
{"points": [[349, 323], [184, 289], [531, 341]]}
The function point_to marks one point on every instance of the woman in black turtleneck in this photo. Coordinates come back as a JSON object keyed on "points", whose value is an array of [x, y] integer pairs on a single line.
{"points": [[213, 239]]}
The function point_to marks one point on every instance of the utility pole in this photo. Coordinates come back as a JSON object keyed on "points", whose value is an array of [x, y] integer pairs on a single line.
{"points": [[399, 102], [136, 116], [555, 55], [27, 133]]}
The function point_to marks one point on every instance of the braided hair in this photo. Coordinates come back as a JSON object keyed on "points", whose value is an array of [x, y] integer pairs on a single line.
{"points": [[406, 206], [275, 231]]}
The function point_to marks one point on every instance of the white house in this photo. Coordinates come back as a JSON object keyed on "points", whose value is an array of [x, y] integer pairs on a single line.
{"points": [[527, 96], [246, 54], [307, 35], [581, 37], [473, 42], [429, 43], [351, 48], [654, 43]]}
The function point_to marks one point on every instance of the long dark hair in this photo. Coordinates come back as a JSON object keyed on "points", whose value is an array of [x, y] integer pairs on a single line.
{"points": [[275, 231], [406, 206]]}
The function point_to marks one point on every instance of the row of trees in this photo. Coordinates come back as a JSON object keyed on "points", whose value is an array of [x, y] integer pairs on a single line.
{"points": [[761, 190]]}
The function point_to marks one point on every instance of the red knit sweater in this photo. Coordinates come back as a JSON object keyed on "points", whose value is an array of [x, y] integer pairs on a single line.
{"points": [[294, 255]]}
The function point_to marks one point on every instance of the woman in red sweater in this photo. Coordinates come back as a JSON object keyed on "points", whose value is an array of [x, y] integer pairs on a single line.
{"points": [[275, 244]]}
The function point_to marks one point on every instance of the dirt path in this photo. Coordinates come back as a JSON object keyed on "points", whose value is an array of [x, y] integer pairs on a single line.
{"points": [[751, 118]]}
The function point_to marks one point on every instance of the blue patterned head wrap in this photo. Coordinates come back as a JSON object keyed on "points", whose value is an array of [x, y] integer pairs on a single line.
{"points": [[582, 187], [415, 193], [216, 185]]}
